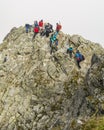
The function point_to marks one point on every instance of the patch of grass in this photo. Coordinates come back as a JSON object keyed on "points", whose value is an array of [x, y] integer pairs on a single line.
{"points": [[56, 128], [94, 124]]}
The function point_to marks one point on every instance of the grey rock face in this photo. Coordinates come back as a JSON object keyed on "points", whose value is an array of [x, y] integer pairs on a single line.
{"points": [[95, 75], [40, 91]]}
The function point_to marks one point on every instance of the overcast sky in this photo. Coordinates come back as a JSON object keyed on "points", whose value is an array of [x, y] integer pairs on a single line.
{"points": [[83, 17]]}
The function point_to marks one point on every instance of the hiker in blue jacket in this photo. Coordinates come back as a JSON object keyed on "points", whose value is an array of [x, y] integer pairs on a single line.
{"points": [[79, 58], [53, 39], [27, 26], [53, 43]]}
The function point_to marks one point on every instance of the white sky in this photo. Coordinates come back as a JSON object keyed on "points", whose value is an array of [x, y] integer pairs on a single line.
{"points": [[83, 17]]}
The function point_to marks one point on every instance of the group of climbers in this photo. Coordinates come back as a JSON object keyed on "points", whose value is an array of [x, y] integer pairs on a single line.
{"points": [[39, 27], [78, 56], [45, 29]]}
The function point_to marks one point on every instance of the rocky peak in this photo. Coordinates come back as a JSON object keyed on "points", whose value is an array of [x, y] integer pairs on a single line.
{"points": [[43, 91]]}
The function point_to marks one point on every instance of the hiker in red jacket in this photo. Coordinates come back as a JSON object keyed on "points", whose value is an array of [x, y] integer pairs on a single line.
{"points": [[58, 27], [41, 24], [36, 31]]}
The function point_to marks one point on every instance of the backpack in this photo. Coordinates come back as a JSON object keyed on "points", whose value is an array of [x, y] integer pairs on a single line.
{"points": [[83, 58]]}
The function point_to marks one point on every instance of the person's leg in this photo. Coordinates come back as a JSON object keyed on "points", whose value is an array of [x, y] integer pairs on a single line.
{"points": [[56, 48], [51, 50], [50, 43], [78, 63], [34, 35], [47, 34], [26, 30], [70, 53]]}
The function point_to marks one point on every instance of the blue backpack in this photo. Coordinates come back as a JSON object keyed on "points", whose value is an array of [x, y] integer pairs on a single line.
{"points": [[81, 57]]}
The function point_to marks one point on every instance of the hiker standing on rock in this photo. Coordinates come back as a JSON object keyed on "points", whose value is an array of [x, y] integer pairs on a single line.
{"points": [[5, 59], [70, 51], [28, 27], [41, 24], [36, 23], [79, 57], [54, 46], [36, 31], [58, 27]]}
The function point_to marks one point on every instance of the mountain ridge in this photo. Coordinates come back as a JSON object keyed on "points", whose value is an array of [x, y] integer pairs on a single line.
{"points": [[40, 91]]}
